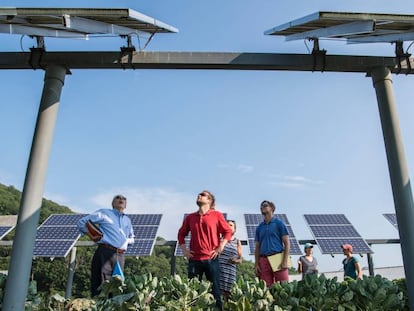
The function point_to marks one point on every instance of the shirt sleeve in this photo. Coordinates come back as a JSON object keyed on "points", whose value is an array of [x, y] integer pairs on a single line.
{"points": [[183, 231], [224, 227]]}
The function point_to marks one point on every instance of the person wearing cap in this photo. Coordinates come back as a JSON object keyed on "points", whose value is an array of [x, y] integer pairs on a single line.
{"points": [[271, 238], [352, 268], [117, 233], [307, 264]]}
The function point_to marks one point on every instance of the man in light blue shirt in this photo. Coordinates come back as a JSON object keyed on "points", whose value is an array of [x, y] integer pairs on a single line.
{"points": [[117, 233]]}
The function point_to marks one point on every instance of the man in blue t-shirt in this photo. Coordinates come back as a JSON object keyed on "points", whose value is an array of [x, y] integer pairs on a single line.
{"points": [[271, 238]]}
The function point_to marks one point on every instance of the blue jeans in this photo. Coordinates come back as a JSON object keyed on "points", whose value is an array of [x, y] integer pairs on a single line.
{"points": [[211, 268]]}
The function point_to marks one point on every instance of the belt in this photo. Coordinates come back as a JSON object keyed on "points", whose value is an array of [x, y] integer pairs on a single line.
{"points": [[118, 250], [270, 254]]}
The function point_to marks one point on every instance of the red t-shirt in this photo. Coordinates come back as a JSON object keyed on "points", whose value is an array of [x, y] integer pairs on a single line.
{"points": [[206, 231]]}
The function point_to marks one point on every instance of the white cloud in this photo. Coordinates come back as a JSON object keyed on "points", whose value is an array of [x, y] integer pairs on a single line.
{"points": [[243, 168], [288, 181]]}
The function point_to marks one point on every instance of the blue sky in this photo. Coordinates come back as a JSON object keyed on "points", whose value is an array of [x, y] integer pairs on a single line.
{"points": [[310, 142]]}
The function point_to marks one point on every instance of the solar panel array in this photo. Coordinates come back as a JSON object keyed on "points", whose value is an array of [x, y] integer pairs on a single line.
{"points": [[178, 251], [392, 218], [59, 234], [253, 220], [332, 230]]}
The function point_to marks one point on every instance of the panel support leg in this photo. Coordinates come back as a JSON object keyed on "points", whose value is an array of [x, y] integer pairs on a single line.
{"points": [[71, 273], [397, 166], [31, 201]]}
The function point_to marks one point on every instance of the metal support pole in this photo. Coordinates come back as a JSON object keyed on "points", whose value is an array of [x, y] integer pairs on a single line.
{"points": [[370, 264], [173, 260], [71, 273], [397, 166], [29, 212]]}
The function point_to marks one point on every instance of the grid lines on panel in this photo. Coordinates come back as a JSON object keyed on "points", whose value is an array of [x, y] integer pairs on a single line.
{"points": [[392, 218], [253, 220], [333, 230], [4, 230], [145, 230], [57, 235]]}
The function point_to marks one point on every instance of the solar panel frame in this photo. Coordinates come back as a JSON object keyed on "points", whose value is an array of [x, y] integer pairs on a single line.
{"points": [[253, 220], [330, 231]]}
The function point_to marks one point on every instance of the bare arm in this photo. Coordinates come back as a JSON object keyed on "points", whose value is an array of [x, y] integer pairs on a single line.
{"points": [[286, 253], [359, 270], [256, 257]]}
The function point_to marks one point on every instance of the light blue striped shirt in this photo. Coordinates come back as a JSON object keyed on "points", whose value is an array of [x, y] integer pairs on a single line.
{"points": [[116, 227]]}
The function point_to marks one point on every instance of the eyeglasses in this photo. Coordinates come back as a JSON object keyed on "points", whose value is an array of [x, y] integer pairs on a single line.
{"points": [[120, 197]]}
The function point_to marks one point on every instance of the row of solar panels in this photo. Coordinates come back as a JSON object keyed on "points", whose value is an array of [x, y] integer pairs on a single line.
{"points": [[59, 234]]}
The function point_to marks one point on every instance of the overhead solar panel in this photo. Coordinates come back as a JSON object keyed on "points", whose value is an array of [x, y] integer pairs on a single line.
{"points": [[253, 220], [78, 22], [352, 26], [145, 230], [332, 230], [392, 218], [178, 251]]}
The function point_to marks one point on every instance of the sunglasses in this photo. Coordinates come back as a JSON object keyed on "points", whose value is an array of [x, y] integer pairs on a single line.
{"points": [[203, 194], [120, 197]]}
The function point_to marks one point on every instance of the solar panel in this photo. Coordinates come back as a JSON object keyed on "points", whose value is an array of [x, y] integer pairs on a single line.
{"points": [[253, 220], [145, 230], [354, 27], [59, 233], [178, 251], [4, 230], [392, 218], [332, 230], [7, 223]]}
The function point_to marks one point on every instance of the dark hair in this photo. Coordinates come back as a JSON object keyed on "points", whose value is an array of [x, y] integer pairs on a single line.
{"points": [[234, 222], [212, 197], [268, 203]]}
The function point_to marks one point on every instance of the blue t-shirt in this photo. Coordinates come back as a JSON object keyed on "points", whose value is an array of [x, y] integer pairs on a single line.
{"points": [[269, 235], [349, 267]]}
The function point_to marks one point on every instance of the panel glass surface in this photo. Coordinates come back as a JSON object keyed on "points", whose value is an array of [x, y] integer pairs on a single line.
{"points": [[52, 248], [140, 248], [145, 219], [340, 231], [332, 230], [333, 246], [326, 219], [4, 230], [392, 218], [253, 220], [57, 235]]}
